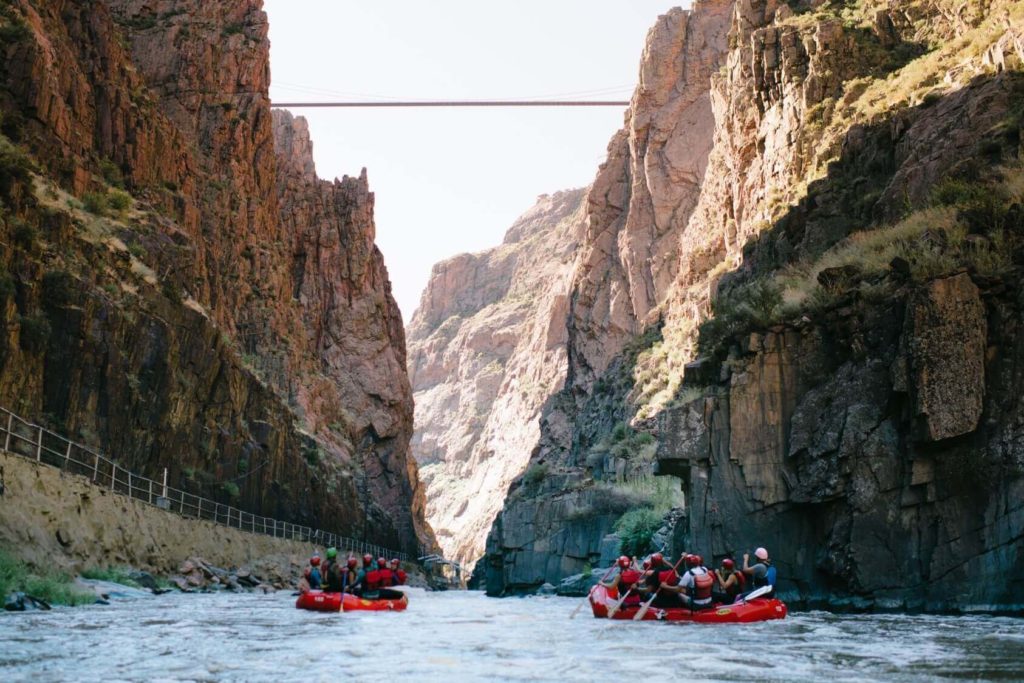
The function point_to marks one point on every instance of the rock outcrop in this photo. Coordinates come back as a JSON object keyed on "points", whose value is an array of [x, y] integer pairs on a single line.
{"points": [[226, 315], [487, 346], [847, 419]]}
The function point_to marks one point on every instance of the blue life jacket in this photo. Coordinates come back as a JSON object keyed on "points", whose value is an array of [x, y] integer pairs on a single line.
{"points": [[314, 578]]}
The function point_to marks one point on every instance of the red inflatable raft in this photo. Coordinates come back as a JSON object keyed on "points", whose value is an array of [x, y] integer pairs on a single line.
{"points": [[318, 601], [758, 609]]}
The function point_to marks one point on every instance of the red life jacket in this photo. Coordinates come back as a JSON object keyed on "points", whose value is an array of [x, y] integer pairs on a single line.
{"points": [[702, 585], [669, 577], [373, 580], [385, 577], [400, 578], [737, 587], [627, 580]]}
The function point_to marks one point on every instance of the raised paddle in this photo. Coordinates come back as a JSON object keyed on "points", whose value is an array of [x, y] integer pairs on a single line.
{"points": [[647, 605], [587, 599], [763, 590]]}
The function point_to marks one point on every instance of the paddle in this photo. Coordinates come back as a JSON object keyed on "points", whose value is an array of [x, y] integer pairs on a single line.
{"points": [[647, 605], [616, 606], [587, 599], [763, 590]]}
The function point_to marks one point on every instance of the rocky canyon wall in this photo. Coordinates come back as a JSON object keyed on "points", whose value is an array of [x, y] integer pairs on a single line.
{"points": [[831, 280], [181, 290], [487, 347]]}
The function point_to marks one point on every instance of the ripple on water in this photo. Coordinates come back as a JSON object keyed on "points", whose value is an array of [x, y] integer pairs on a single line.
{"points": [[467, 637]]}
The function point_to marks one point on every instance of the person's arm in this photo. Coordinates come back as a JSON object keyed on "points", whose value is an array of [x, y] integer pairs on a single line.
{"points": [[746, 564], [729, 582]]}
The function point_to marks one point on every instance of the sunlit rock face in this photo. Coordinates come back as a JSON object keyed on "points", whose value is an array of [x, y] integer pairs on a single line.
{"points": [[235, 323], [487, 346]]}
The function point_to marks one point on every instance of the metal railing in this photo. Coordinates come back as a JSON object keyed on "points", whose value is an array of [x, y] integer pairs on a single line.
{"points": [[31, 441]]}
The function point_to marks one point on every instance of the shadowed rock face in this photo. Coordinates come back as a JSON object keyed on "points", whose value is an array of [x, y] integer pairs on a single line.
{"points": [[820, 446], [841, 442], [486, 349], [237, 324]]}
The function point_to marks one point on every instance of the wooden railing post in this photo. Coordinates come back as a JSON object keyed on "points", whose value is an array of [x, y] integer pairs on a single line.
{"points": [[113, 475], [150, 491], [39, 446], [10, 426], [67, 455]]}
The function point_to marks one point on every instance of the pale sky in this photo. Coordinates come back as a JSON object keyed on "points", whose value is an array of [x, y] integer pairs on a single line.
{"points": [[452, 181]]}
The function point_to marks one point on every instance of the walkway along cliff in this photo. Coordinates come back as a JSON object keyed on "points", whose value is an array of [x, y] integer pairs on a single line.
{"points": [[796, 299], [179, 289]]}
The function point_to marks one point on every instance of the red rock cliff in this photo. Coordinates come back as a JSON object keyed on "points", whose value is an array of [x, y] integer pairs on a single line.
{"points": [[231, 318]]}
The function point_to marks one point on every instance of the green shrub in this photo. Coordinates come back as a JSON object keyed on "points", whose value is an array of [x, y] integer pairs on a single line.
{"points": [[53, 587], [173, 294], [58, 289], [7, 287], [111, 172], [231, 489], [23, 234], [619, 432], [96, 203], [35, 333], [535, 474], [751, 306], [119, 200], [13, 29], [12, 124], [15, 169], [121, 575], [636, 528]]}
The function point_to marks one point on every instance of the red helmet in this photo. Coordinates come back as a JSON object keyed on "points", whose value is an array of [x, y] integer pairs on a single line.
{"points": [[698, 560], [623, 562], [381, 562], [367, 559], [692, 560], [728, 564], [656, 559], [352, 563], [315, 560], [647, 563]]}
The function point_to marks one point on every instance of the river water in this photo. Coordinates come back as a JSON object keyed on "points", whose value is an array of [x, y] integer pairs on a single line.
{"points": [[461, 636]]}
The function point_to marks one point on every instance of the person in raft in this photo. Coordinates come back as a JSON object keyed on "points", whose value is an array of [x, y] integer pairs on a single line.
{"points": [[368, 566], [333, 576], [351, 573], [398, 577], [373, 579], [652, 579], [762, 573], [669, 593], [312, 573], [624, 581], [729, 582], [697, 582]]}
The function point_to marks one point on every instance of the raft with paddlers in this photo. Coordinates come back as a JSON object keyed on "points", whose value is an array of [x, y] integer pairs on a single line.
{"points": [[319, 601], [603, 600]]}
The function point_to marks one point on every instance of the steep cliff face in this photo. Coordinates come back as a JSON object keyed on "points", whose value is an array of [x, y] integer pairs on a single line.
{"points": [[486, 349], [225, 313], [845, 138]]}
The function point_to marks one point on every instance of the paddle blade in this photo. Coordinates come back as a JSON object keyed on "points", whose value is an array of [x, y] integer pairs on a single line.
{"points": [[763, 590], [580, 606], [642, 612]]}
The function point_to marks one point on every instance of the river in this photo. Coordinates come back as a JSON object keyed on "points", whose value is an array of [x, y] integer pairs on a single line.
{"points": [[462, 636]]}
